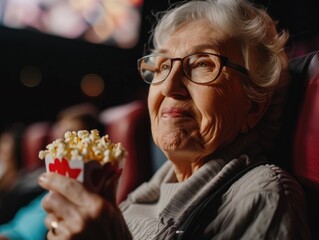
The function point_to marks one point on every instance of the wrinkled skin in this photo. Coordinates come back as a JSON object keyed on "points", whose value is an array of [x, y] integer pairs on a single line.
{"points": [[189, 122], [82, 214]]}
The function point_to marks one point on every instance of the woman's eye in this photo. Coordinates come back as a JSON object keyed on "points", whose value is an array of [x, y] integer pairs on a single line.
{"points": [[202, 64], [163, 66]]}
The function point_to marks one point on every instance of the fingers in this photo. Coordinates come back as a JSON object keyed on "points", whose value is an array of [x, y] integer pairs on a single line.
{"points": [[57, 230], [72, 208], [68, 199], [65, 226], [60, 206], [70, 188], [54, 226], [49, 219]]}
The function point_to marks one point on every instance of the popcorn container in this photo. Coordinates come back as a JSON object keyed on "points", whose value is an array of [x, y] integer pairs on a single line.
{"points": [[85, 156], [91, 173]]}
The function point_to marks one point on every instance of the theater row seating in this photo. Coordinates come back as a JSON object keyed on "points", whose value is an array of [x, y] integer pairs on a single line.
{"points": [[128, 124]]}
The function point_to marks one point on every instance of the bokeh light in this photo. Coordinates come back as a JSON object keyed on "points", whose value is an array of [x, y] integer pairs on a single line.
{"points": [[92, 85], [31, 76]]}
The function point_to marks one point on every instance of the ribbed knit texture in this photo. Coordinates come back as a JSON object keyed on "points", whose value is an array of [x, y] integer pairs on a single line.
{"points": [[157, 208]]}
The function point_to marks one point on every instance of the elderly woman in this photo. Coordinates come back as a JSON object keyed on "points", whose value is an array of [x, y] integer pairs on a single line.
{"points": [[217, 76]]}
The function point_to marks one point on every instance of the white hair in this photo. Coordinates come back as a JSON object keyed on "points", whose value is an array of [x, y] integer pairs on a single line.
{"points": [[262, 46]]}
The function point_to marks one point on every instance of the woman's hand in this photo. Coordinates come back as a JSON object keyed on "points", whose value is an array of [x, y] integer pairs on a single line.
{"points": [[76, 213]]}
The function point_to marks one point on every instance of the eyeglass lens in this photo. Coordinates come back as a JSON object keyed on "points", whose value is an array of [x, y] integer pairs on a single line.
{"points": [[199, 67]]}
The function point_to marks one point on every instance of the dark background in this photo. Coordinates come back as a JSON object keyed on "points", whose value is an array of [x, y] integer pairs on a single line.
{"points": [[63, 62]]}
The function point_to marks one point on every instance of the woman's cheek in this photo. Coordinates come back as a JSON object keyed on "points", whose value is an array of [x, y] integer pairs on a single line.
{"points": [[153, 113], [211, 132], [154, 101], [217, 125]]}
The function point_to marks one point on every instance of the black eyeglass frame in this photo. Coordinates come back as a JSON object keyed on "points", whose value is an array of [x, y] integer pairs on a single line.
{"points": [[224, 62]]}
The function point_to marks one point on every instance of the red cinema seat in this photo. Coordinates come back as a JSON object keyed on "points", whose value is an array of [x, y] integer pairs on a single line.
{"points": [[129, 124], [297, 148]]}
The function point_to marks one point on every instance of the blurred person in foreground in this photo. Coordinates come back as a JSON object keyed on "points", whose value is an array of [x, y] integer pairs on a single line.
{"points": [[28, 222], [18, 186], [218, 80]]}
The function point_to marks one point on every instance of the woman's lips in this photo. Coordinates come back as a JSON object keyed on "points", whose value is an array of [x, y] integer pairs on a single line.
{"points": [[175, 113]]}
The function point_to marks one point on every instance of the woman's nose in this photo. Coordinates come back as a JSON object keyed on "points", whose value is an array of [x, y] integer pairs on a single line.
{"points": [[174, 84]]}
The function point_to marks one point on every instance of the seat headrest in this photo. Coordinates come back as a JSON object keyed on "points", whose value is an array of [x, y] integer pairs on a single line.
{"points": [[305, 152]]}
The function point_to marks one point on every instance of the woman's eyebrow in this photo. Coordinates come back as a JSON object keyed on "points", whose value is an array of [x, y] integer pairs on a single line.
{"points": [[161, 51], [211, 46]]}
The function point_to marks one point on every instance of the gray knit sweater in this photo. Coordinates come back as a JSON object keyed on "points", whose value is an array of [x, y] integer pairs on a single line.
{"points": [[266, 203]]}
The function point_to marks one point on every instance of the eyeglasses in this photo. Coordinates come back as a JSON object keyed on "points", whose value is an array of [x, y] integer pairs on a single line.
{"points": [[201, 67]]}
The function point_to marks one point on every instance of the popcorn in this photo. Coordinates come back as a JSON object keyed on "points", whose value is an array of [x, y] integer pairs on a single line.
{"points": [[86, 146], [84, 156]]}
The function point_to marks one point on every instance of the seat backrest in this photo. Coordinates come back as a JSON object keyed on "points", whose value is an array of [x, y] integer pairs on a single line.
{"points": [[306, 137], [129, 124], [35, 138], [298, 144]]}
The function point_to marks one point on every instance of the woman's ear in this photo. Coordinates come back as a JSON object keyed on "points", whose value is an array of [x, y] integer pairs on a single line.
{"points": [[257, 110]]}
